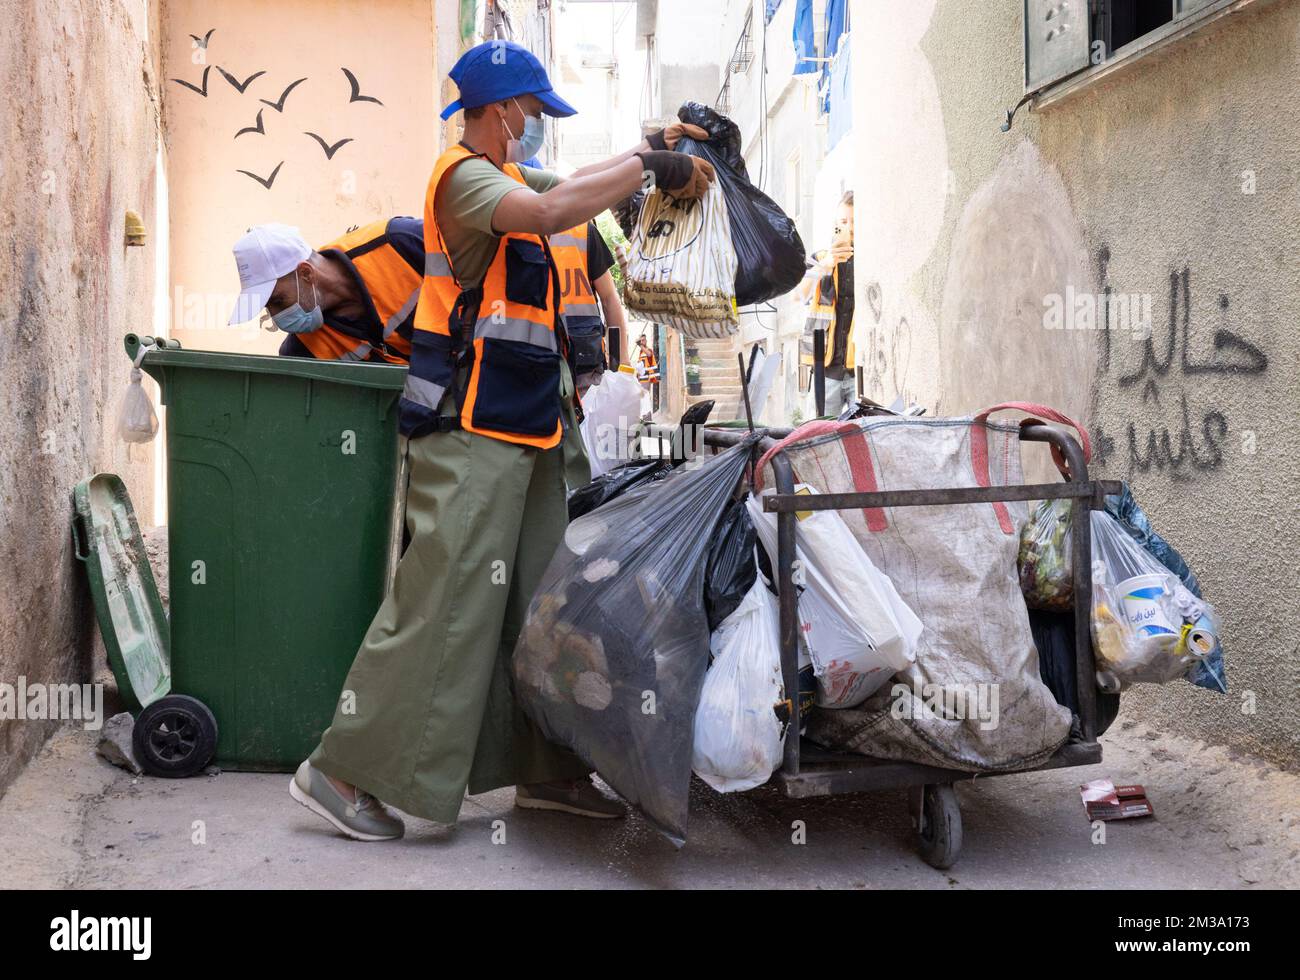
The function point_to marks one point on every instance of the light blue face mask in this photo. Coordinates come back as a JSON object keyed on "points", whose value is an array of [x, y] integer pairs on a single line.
{"points": [[295, 319], [519, 150]]}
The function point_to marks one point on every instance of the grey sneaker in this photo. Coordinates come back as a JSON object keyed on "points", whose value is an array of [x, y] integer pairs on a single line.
{"points": [[578, 796], [366, 819]]}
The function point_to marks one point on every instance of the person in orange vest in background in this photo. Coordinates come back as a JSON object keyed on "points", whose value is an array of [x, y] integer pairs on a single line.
{"points": [[591, 302], [487, 399], [828, 289], [351, 300], [647, 368]]}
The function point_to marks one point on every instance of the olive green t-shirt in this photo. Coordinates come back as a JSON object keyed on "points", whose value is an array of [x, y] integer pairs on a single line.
{"points": [[467, 199]]}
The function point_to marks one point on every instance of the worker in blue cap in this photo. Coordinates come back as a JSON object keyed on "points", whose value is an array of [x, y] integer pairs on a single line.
{"points": [[428, 709]]}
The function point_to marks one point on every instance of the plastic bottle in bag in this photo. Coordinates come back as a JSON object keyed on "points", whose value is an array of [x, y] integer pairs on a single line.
{"points": [[1146, 626]]}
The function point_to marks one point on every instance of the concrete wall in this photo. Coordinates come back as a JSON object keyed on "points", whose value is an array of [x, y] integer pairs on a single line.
{"points": [[392, 51], [80, 138], [1172, 182], [686, 42]]}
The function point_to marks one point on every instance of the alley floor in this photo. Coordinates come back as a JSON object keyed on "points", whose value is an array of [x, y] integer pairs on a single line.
{"points": [[1223, 820]]}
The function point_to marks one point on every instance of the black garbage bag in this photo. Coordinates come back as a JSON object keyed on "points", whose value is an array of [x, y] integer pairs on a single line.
{"points": [[615, 482], [627, 212], [769, 251], [731, 570], [612, 654], [1054, 637]]}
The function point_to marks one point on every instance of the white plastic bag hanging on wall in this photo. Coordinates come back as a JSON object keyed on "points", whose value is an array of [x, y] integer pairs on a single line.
{"points": [[136, 420]]}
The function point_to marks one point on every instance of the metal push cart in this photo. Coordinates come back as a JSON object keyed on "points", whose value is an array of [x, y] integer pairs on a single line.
{"points": [[810, 770]]}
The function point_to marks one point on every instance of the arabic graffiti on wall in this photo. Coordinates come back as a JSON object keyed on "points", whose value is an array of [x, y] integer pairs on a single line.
{"points": [[1170, 379]]}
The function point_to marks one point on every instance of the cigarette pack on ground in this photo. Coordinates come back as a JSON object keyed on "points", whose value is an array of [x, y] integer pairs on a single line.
{"points": [[1103, 800]]}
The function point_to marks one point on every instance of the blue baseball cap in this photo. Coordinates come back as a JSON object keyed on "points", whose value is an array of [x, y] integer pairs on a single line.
{"points": [[497, 70]]}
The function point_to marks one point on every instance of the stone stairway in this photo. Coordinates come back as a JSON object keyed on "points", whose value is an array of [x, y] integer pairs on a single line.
{"points": [[719, 377]]}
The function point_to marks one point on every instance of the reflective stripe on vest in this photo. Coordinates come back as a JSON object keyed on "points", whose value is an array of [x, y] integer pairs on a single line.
{"points": [[327, 344], [821, 314], [511, 391]]}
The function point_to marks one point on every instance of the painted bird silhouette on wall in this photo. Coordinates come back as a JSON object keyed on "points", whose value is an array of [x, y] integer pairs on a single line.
{"points": [[203, 91], [279, 105], [238, 85], [259, 126], [264, 181], [356, 95], [329, 150]]}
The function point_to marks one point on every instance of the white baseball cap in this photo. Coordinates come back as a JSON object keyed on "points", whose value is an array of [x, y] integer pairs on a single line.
{"points": [[263, 255]]}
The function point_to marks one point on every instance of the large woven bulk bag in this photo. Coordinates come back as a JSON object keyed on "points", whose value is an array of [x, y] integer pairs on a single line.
{"points": [[955, 567], [682, 271]]}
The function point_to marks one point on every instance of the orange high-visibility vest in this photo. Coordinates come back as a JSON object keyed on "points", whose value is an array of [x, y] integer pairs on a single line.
{"points": [[581, 312], [388, 272], [821, 313], [646, 356], [500, 340]]}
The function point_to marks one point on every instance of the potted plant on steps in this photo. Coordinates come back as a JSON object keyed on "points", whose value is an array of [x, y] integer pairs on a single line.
{"points": [[693, 386]]}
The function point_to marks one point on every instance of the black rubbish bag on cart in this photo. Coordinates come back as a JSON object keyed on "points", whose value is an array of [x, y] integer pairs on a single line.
{"points": [[1054, 640], [615, 483], [769, 252], [612, 654], [731, 571]]}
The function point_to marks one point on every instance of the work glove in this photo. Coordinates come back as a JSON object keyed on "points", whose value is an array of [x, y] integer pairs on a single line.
{"points": [[666, 138], [678, 174]]}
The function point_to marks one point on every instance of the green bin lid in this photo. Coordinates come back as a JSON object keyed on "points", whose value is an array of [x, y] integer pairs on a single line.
{"points": [[107, 539], [358, 373]]}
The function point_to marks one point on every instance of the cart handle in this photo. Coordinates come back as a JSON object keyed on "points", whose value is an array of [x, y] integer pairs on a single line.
{"points": [[79, 538]]}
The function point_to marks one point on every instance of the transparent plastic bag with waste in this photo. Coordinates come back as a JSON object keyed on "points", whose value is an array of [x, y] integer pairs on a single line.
{"points": [[1045, 557], [1147, 627], [739, 738], [613, 650], [136, 419]]}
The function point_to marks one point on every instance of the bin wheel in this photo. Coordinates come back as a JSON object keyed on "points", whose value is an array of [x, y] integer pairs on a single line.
{"points": [[175, 736], [936, 815]]}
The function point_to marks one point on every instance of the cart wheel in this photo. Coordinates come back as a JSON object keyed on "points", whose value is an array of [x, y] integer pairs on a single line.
{"points": [[936, 814], [175, 736]]}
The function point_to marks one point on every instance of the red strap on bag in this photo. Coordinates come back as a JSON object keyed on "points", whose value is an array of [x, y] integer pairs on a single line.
{"points": [[809, 430], [856, 452], [979, 446]]}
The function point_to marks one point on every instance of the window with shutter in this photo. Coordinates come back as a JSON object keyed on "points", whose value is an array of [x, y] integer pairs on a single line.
{"points": [[1056, 40], [1070, 43], [1184, 7]]}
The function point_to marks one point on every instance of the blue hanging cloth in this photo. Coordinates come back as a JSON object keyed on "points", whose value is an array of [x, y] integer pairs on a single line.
{"points": [[836, 25], [803, 39]]}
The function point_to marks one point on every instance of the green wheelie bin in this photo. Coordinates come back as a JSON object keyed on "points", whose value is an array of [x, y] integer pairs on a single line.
{"points": [[281, 501]]}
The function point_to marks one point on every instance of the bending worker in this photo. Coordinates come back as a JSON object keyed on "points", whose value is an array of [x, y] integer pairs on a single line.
{"points": [[430, 710], [352, 300]]}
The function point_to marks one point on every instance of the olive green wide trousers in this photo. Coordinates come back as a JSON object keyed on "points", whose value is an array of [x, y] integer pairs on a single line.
{"points": [[428, 710]]}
